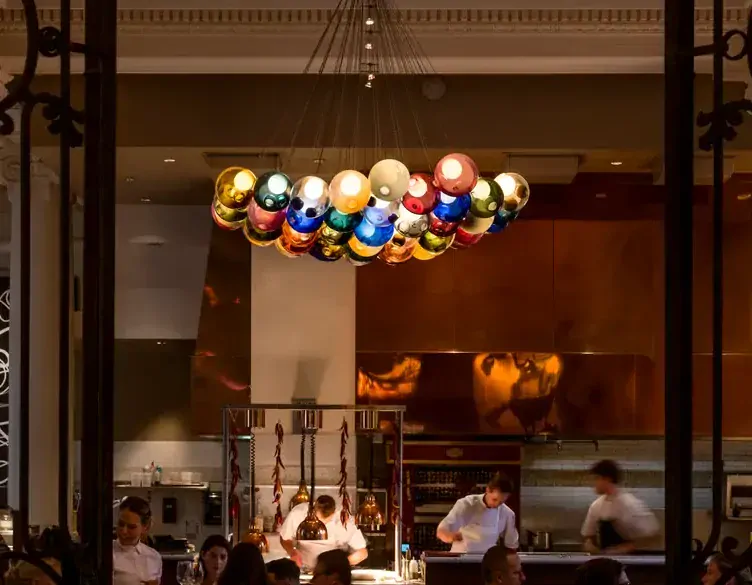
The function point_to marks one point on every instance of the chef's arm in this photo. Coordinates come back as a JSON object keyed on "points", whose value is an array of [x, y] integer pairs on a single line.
{"points": [[292, 552], [445, 535], [358, 556], [589, 545], [621, 549]]}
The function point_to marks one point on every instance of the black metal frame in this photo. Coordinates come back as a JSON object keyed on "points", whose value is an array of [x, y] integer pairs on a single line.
{"points": [[719, 126], [100, 52]]}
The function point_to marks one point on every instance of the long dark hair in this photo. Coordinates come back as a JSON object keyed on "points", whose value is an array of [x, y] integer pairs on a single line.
{"points": [[245, 566], [210, 543]]}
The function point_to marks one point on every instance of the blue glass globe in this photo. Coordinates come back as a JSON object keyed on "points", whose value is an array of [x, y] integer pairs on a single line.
{"points": [[452, 209], [380, 212], [373, 235], [502, 219], [302, 223]]}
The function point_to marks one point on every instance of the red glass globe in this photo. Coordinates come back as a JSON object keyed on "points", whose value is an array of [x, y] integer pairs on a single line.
{"points": [[456, 174], [422, 195]]}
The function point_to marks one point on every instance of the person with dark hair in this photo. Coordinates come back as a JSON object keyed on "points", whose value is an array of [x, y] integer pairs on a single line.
{"points": [[332, 568], [340, 536], [213, 557], [616, 519], [283, 572], [134, 562], [245, 566], [476, 522], [718, 566], [601, 572], [500, 567]]}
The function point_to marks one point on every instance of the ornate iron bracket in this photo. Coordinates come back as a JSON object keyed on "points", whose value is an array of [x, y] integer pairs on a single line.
{"points": [[49, 42]]}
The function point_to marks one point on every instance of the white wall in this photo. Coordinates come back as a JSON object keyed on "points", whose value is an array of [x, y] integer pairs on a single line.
{"points": [[158, 288], [303, 346]]}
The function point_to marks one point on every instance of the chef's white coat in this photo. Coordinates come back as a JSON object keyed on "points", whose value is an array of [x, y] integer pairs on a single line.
{"points": [[346, 537], [133, 565], [480, 526], [630, 517]]}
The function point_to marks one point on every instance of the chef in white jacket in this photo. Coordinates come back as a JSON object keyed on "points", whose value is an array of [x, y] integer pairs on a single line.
{"points": [[476, 522], [617, 521], [347, 537]]}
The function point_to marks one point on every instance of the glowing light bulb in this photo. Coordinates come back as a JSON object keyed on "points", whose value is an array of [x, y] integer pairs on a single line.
{"points": [[369, 21], [507, 184], [278, 184], [313, 189], [451, 168], [350, 184], [243, 181], [369, 46]]}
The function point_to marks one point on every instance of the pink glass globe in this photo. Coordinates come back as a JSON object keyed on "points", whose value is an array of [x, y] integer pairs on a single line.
{"points": [[265, 221], [422, 195], [456, 174]]}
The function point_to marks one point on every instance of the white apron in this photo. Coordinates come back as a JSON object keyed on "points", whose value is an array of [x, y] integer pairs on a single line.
{"points": [[311, 549], [480, 535]]}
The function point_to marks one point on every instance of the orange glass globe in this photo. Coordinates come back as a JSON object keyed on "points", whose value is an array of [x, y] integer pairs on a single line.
{"points": [[400, 249], [349, 191], [234, 187]]}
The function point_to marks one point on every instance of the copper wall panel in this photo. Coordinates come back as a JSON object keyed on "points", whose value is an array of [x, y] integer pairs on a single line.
{"points": [[221, 367], [605, 290], [574, 395]]}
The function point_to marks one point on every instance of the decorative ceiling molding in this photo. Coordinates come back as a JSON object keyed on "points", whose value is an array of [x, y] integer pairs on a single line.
{"points": [[217, 21]]}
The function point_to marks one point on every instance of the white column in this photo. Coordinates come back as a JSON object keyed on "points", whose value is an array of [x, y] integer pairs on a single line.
{"points": [[43, 348]]}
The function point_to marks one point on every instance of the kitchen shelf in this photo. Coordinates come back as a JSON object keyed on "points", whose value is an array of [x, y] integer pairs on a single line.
{"points": [[163, 486]]}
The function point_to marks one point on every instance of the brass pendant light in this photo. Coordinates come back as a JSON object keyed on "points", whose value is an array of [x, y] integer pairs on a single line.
{"points": [[312, 528], [369, 516], [254, 536], [301, 496]]}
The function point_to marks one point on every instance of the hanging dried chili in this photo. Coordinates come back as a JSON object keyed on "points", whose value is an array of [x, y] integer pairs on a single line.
{"points": [[234, 500], [277, 473], [342, 483]]}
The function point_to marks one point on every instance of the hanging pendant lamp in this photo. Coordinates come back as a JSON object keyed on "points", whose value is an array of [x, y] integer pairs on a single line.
{"points": [[369, 516], [254, 536], [301, 496], [312, 528]]}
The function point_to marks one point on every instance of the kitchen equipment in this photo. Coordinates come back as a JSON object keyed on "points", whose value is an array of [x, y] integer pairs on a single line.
{"points": [[540, 540], [213, 508], [169, 510], [739, 497]]}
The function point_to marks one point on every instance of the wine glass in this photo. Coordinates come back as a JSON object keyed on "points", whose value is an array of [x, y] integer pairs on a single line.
{"points": [[189, 573]]}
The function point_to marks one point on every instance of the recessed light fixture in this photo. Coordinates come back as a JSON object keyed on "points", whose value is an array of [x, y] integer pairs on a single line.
{"points": [[169, 160], [601, 196], [145, 199], [129, 179], [616, 163], [318, 161], [744, 196], [160, 342]]}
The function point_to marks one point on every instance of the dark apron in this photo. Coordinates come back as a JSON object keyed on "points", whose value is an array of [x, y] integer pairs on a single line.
{"points": [[608, 536]]}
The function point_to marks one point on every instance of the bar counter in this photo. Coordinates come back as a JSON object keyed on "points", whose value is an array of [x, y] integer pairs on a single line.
{"points": [[540, 568]]}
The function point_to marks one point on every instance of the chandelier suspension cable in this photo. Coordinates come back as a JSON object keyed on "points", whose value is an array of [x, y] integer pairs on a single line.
{"points": [[332, 26], [336, 103], [413, 65]]}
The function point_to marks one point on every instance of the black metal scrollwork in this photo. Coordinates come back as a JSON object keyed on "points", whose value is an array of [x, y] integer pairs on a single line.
{"points": [[49, 42]]}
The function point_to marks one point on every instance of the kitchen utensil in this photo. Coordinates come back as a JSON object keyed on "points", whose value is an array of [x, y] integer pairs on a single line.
{"points": [[540, 540]]}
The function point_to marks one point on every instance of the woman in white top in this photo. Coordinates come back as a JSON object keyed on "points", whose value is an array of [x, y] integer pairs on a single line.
{"points": [[476, 522], [133, 562]]}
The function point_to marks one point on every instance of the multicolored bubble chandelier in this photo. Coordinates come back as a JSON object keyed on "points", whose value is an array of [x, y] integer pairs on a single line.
{"points": [[390, 214], [364, 89]]}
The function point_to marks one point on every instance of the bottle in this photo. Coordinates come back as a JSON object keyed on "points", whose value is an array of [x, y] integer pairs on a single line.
{"points": [[158, 475], [414, 571]]}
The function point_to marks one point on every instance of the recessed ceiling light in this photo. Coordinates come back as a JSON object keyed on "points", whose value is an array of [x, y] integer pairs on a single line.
{"points": [[169, 160], [129, 179], [600, 195], [160, 342], [616, 163], [318, 161], [744, 196], [145, 199]]}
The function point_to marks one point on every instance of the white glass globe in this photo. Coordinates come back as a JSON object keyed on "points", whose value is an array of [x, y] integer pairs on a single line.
{"points": [[390, 179]]}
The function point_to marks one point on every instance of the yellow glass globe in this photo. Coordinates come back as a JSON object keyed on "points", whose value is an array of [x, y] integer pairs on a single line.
{"points": [[234, 187], [389, 179], [349, 191]]}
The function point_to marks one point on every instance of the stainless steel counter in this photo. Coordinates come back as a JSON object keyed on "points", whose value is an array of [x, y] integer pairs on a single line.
{"points": [[551, 559]]}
